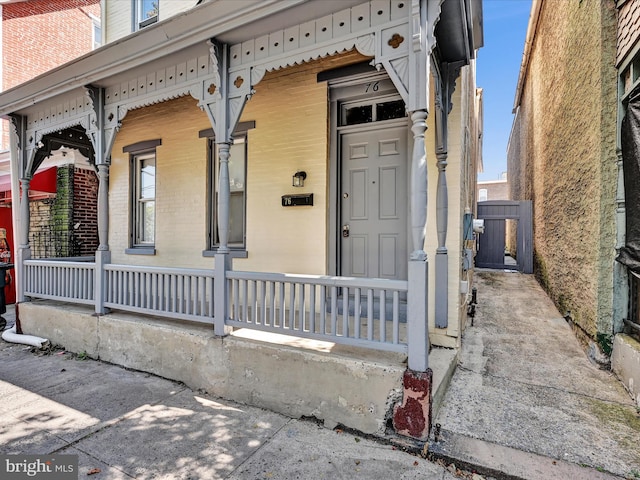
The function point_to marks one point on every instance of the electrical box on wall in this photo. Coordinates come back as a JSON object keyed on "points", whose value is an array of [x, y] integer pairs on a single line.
{"points": [[305, 199]]}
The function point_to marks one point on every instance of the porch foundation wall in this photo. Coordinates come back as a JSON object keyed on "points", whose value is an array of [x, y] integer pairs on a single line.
{"points": [[625, 363], [290, 379]]}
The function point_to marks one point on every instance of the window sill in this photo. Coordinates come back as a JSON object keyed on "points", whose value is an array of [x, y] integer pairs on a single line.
{"points": [[140, 251], [233, 253]]}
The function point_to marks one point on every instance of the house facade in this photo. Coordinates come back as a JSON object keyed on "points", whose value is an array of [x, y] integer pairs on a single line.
{"points": [[565, 155], [303, 169]]}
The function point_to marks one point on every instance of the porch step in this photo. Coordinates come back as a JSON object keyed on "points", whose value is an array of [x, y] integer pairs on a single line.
{"points": [[443, 363]]}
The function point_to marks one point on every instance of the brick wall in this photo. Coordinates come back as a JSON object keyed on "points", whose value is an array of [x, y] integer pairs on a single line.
{"points": [[291, 115], [40, 35], [85, 211], [52, 231], [564, 144]]}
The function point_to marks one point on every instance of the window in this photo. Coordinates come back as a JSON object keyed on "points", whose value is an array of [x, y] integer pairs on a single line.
{"points": [[237, 184], [143, 197], [145, 12], [96, 32], [371, 111], [483, 195]]}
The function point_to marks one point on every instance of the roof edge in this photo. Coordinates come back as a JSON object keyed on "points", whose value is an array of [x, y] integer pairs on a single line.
{"points": [[526, 54]]}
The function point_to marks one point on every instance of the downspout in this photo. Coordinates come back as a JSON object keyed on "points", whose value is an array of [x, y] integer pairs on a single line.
{"points": [[526, 54]]}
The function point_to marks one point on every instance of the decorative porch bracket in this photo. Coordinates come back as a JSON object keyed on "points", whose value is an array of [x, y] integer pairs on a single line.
{"points": [[445, 80], [102, 131], [223, 101]]}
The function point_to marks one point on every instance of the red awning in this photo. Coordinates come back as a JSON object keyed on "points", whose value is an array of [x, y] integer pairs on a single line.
{"points": [[43, 182]]}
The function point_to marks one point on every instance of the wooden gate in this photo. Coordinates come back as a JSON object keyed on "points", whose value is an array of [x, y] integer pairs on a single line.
{"points": [[504, 245]]}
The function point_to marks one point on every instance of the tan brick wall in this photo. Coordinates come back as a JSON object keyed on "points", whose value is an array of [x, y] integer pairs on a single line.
{"points": [[290, 110], [564, 141], [628, 27], [291, 114]]}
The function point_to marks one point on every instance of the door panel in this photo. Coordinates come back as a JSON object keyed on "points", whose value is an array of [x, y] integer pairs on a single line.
{"points": [[491, 245], [374, 203]]}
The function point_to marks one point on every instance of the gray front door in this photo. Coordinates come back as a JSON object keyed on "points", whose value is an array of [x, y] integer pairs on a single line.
{"points": [[374, 203]]}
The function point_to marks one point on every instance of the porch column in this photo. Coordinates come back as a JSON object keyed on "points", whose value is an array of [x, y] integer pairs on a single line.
{"points": [[102, 136], [221, 294], [442, 259], [412, 417], [417, 324], [103, 254], [24, 249]]}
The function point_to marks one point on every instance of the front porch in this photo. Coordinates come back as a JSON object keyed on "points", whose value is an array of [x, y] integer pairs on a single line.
{"points": [[191, 217], [352, 386]]}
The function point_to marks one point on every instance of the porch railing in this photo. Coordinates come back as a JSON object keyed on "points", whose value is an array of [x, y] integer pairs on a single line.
{"points": [[68, 281], [353, 311], [186, 294]]}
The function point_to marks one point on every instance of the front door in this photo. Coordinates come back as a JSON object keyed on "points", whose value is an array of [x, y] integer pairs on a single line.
{"points": [[373, 192]]}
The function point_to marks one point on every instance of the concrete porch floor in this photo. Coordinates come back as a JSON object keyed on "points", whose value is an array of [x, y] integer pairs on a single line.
{"points": [[339, 385]]}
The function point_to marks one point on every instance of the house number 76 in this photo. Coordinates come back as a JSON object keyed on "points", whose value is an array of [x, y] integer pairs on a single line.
{"points": [[372, 87]]}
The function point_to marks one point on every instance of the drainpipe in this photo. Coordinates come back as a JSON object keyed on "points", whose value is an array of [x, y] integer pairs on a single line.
{"points": [[12, 337]]}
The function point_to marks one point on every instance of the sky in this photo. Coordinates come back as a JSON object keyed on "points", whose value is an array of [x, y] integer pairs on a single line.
{"points": [[497, 67]]}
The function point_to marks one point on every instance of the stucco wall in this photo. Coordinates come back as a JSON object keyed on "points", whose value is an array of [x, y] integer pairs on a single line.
{"points": [[562, 156]]}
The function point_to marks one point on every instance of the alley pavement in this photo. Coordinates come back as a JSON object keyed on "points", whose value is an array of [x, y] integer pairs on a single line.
{"points": [[526, 401]]}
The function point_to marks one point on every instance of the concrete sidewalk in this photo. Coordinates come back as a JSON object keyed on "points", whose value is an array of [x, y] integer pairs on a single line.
{"points": [[526, 402], [129, 424]]}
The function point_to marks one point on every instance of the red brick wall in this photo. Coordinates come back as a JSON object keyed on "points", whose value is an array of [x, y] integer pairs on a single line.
{"points": [[39, 35], [85, 211]]}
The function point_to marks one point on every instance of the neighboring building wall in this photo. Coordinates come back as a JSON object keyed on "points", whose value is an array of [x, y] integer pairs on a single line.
{"points": [[66, 224], [118, 15], [38, 36], [85, 213], [495, 190], [564, 138]]}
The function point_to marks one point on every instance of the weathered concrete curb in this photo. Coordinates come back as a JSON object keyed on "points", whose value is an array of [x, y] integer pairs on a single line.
{"points": [[505, 463]]}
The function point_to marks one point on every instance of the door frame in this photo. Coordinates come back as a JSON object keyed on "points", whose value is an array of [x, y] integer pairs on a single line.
{"points": [[343, 90]]}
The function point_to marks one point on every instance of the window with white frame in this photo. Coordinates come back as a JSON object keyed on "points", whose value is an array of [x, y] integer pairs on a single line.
{"points": [[145, 12], [142, 157], [96, 32]]}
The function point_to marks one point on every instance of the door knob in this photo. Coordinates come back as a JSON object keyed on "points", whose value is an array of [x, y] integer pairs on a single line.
{"points": [[345, 231]]}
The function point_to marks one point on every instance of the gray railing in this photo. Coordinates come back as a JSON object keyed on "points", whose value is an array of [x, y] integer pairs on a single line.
{"points": [[68, 281], [172, 292], [353, 311]]}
